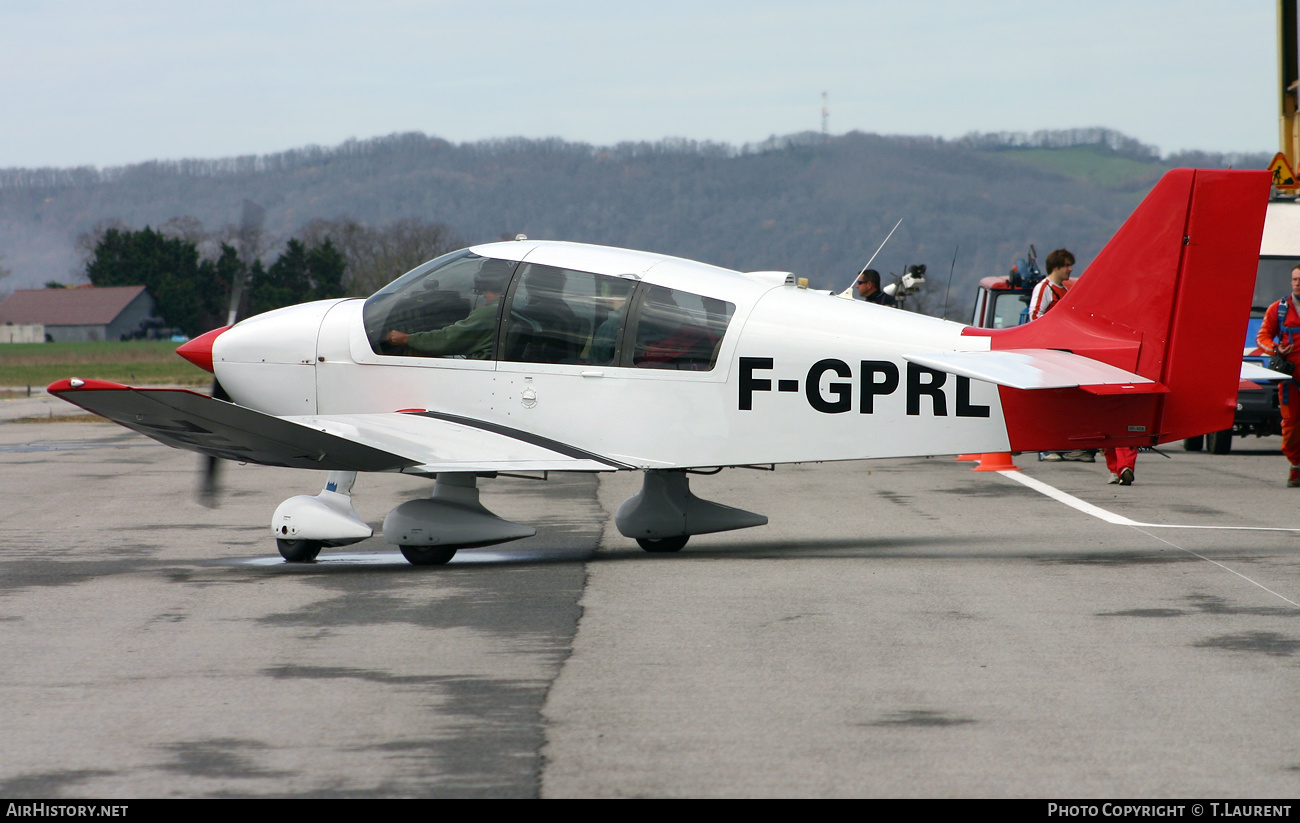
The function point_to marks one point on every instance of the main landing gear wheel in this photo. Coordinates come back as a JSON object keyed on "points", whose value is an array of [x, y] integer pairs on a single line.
{"points": [[1194, 444], [428, 555], [299, 551], [1219, 442], [663, 544]]}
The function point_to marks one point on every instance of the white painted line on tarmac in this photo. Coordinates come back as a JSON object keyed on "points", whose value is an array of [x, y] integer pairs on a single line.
{"points": [[1119, 520]]}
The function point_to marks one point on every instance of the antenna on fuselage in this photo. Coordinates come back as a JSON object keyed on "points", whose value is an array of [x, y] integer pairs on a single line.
{"points": [[848, 293], [943, 315]]}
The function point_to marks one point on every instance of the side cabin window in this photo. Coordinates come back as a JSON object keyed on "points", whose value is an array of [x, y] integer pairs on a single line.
{"points": [[462, 305], [448, 307], [563, 316], [679, 330]]}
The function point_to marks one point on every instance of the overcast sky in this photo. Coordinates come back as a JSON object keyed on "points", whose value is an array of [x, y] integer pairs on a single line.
{"points": [[100, 83]]}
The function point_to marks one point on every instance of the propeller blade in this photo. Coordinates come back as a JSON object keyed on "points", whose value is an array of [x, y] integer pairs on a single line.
{"points": [[209, 495], [250, 233]]}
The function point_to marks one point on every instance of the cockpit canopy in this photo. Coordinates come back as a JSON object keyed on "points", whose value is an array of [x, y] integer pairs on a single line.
{"points": [[464, 305]]}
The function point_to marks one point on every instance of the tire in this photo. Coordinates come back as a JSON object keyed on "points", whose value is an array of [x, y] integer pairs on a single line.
{"points": [[428, 555], [299, 551], [1194, 444], [663, 544], [1219, 442]]}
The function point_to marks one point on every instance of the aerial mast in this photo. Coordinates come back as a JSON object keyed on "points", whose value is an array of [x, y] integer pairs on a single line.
{"points": [[1288, 55]]}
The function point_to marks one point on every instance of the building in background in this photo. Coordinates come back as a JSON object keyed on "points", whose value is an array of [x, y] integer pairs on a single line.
{"points": [[80, 314]]}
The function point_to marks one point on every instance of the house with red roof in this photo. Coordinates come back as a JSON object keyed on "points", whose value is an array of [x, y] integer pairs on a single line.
{"points": [[80, 314]]}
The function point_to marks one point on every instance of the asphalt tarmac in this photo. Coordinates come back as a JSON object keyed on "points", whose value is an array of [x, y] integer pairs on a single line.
{"points": [[901, 628]]}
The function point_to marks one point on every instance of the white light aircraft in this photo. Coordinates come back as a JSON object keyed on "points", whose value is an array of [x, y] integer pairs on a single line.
{"points": [[534, 357]]}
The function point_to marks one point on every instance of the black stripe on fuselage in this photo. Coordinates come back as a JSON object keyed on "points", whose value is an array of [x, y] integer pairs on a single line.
{"points": [[524, 437]]}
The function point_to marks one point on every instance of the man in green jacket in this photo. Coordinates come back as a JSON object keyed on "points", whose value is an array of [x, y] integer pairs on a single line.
{"points": [[473, 336]]}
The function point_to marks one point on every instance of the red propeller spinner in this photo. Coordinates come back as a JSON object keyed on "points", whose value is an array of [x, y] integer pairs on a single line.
{"points": [[199, 350]]}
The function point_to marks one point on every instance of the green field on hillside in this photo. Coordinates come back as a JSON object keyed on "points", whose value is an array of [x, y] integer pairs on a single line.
{"points": [[142, 363], [1090, 164]]}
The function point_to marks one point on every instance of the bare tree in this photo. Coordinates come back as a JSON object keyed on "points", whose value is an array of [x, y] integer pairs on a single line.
{"points": [[191, 230], [377, 255], [251, 238]]}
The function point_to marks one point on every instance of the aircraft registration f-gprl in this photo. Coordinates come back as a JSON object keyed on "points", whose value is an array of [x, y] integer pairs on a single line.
{"points": [[532, 357]]}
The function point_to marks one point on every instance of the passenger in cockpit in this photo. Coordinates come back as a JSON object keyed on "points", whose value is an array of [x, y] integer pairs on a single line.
{"points": [[605, 340], [556, 335]]}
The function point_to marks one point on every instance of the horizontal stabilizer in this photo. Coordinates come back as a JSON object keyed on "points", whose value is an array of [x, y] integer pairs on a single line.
{"points": [[419, 442], [1254, 371], [1038, 369]]}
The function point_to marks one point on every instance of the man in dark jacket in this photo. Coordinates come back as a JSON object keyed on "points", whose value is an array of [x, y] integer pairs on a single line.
{"points": [[868, 287]]}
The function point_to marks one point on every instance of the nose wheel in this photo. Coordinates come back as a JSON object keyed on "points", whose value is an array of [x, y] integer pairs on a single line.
{"points": [[299, 551], [303, 525]]}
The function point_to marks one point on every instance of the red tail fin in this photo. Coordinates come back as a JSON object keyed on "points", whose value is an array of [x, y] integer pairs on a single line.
{"points": [[1168, 298]]}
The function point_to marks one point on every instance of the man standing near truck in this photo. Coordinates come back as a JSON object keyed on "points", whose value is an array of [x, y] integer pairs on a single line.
{"points": [[1060, 265], [1277, 336]]}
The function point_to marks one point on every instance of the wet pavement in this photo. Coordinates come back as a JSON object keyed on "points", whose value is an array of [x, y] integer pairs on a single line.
{"points": [[900, 628]]}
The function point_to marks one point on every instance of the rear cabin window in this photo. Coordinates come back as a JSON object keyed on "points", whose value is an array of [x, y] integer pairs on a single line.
{"points": [[449, 307], [563, 316], [679, 330]]}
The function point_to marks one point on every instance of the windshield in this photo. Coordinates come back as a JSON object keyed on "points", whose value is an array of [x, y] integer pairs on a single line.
{"points": [[1007, 309], [446, 308]]}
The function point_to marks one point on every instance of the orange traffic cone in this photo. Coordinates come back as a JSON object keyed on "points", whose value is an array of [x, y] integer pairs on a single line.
{"points": [[996, 462], [968, 458]]}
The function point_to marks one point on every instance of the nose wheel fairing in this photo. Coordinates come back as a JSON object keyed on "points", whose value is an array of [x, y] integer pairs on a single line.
{"points": [[327, 518], [305, 524]]}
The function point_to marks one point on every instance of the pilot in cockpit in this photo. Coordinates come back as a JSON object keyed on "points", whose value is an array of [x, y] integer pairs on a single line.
{"points": [[475, 335]]}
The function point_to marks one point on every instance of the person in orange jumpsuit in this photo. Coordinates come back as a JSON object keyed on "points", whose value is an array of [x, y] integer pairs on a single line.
{"points": [[1277, 335], [1121, 460]]}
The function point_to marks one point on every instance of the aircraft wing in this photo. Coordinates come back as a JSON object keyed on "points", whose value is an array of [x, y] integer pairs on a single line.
{"points": [[418, 442], [1038, 369]]}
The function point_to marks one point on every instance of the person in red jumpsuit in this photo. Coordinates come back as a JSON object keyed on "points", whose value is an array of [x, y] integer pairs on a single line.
{"points": [[1277, 335], [1121, 460]]}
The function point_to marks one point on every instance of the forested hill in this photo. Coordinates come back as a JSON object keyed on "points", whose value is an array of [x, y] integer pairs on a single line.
{"points": [[815, 206]]}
